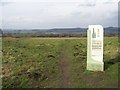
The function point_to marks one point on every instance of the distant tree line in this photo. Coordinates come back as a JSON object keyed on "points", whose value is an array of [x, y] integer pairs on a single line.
{"points": [[42, 35], [18, 35]]}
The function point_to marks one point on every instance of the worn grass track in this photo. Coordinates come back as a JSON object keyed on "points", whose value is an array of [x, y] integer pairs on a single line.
{"points": [[65, 65]]}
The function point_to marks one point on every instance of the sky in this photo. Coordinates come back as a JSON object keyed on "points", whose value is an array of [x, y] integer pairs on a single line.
{"points": [[0, 15], [46, 14]]}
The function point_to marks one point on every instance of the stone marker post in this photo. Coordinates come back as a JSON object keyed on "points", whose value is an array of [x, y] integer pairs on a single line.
{"points": [[95, 48]]}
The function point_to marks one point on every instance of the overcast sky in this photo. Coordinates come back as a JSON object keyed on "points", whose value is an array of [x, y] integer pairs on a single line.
{"points": [[44, 14]]}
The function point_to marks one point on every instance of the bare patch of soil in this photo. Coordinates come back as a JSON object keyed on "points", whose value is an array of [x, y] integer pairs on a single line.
{"points": [[65, 69]]}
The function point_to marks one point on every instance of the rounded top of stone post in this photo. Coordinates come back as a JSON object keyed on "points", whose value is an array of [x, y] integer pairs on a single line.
{"points": [[100, 27]]}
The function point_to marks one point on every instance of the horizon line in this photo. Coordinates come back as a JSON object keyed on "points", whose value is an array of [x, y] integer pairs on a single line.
{"points": [[52, 28]]}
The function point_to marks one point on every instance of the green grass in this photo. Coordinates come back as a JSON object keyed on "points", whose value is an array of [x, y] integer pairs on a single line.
{"points": [[83, 78], [34, 62]]}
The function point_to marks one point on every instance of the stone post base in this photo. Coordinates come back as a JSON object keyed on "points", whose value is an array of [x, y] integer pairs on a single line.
{"points": [[95, 66]]}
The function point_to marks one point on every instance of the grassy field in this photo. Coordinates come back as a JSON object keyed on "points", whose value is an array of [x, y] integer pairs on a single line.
{"points": [[56, 63]]}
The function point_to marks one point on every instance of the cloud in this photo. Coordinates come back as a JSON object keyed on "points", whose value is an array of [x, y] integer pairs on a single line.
{"points": [[62, 14], [5, 3], [88, 4]]}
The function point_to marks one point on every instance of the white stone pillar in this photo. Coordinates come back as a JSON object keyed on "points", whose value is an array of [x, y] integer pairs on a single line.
{"points": [[95, 48]]}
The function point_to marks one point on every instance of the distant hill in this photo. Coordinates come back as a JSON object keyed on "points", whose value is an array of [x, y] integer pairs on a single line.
{"points": [[107, 31], [111, 30], [1, 32]]}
